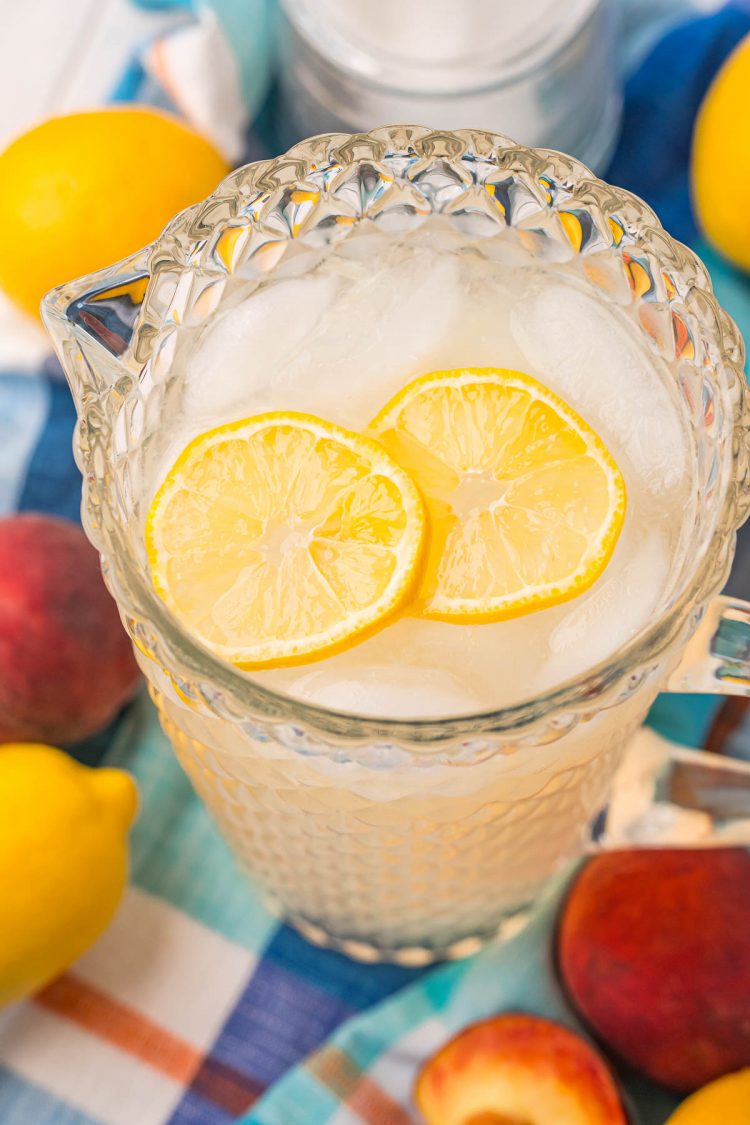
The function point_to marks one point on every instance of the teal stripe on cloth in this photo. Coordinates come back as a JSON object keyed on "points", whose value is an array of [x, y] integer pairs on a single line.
{"points": [[518, 975], [189, 865], [303, 1102], [25, 404], [684, 718], [23, 1103]]}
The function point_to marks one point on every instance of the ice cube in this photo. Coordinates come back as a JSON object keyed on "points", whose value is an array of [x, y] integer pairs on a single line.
{"points": [[618, 605], [480, 335], [426, 668], [234, 367], [390, 692], [584, 351], [380, 331]]}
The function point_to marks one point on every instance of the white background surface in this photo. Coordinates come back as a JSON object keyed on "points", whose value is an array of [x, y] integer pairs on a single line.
{"points": [[57, 55]]}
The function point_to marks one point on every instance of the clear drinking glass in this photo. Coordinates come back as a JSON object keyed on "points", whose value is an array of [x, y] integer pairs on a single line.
{"points": [[387, 838], [542, 71]]}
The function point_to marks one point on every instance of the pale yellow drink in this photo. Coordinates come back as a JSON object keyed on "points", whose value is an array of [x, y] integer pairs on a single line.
{"points": [[410, 856]]}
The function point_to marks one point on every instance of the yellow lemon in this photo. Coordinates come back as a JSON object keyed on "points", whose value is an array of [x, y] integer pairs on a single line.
{"points": [[525, 502], [721, 159], [81, 191], [63, 860], [282, 538], [723, 1102]]}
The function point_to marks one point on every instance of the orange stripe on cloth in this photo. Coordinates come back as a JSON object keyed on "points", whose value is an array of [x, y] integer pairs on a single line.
{"points": [[123, 1027], [221, 1084], [375, 1107], [336, 1070]]}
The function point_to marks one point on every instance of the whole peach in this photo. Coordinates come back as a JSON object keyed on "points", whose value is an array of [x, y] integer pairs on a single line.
{"points": [[66, 665], [654, 951]]}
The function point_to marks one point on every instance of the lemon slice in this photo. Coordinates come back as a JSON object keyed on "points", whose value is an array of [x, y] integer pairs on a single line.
{"points": [[282, 538], [524, 499]]}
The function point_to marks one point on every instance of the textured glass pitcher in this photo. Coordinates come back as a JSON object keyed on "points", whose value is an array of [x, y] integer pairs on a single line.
{"points": [[407, 840]]}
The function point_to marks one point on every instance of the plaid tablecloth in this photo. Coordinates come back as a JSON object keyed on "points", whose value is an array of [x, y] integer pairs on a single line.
{"points": [[196, 1001]]}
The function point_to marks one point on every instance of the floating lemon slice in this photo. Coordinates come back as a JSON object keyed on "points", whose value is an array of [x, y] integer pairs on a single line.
{"points": [[525, 501], [283, 538]]}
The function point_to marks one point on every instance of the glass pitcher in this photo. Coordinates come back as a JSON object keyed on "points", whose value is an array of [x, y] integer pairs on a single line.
{"points": [[395, 839]]}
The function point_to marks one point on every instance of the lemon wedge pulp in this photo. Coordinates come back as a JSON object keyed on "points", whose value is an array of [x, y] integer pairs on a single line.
{"points": [[525, 502], [282, 538]]}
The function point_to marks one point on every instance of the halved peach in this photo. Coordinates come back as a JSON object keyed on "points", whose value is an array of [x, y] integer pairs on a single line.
{"points": [[518, 1069]]}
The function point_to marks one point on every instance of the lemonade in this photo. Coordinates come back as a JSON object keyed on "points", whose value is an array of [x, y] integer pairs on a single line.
{"points": [[336, 338], [415, 460], [341, 340]]}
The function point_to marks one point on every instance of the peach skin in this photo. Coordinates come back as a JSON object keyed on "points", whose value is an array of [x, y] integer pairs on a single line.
{"points": [[653, 950], [66, 663]]}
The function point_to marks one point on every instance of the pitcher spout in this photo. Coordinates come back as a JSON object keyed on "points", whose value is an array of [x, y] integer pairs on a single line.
{"points": [[93, 321]]}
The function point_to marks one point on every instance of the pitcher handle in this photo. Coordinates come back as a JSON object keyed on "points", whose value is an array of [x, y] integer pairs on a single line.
{"points": [[717, 658], [665, 795], [668, 796]]}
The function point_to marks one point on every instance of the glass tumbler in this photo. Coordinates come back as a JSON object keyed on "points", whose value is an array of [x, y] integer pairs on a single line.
{"points": [[395, 839], [545, 72]]}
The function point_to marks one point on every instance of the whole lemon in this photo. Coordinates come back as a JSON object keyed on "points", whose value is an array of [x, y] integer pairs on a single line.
{"points": [[63, 860], [82, 191], [723, 1102], [721, 159]]}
